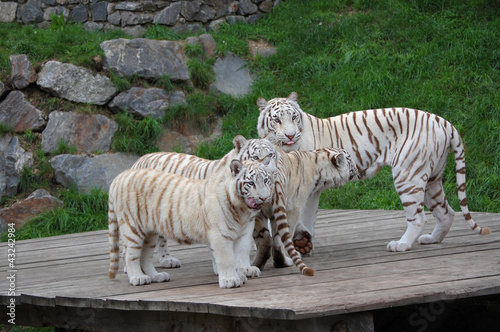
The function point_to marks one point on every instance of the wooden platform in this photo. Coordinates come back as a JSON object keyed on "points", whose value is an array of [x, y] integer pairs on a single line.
{"points": [[62, 281]]}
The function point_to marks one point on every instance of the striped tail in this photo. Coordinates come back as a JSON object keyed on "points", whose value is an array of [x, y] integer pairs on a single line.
{"points": [[114, 242], [284, 232], [459, 152]]}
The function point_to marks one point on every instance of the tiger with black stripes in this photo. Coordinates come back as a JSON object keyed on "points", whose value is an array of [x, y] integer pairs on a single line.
{"points": [[199, 168], [218, 211], [301, 174], [413, 142]]}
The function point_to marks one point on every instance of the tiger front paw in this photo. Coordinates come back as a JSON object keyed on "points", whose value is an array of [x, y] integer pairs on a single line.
{"points": [[232, 281], [170, 262], [160, 277], [302, 242], [398, 246], [140, 280], [249, 271]]}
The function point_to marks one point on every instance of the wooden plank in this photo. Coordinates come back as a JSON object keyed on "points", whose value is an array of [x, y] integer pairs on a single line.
{"points": [[354, 272]]}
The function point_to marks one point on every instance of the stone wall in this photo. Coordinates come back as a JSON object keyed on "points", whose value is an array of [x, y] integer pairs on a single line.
{"points": [[188, 15]]}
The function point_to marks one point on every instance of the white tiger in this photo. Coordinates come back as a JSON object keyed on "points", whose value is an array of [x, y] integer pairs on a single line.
{"points": [[217, 211], [413, 142], [300, 175], [198, 168]]}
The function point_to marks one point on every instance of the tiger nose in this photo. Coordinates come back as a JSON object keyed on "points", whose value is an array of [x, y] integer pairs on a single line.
{"points": [[263, 199], [290, 137]]}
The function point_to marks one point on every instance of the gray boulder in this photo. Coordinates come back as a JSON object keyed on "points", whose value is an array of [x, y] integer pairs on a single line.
{"points": [[3, 89], [8, 12], [146, 58], [79, 14], [147, 102], [87, 173], [75, 83], [18, 113], [169, 15], [12, 160], [99, 11], [31, 12], [232, 76], [22, 73], [87, 132], [247, 7]]}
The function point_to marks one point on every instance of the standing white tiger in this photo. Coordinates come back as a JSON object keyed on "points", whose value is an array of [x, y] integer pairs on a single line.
{"points": [[300, 175], [217, 211], [414, 143], [198, 168]]}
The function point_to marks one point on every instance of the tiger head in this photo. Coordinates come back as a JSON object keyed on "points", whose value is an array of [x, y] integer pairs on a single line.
{"points": [[254, 182], [256, 150], [281, 121], [335, 168]]}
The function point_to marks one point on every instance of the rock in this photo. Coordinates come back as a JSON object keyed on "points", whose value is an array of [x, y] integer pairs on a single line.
{"points": [[147, 102], [87, 173], [55, 11], [216, 24], [87, 132], [136, 31], [79, 14], [136, 6], [190, 8], [12, 160], [21, 71], [75, 83], [205, 14], [208, 44], [3, 89], [254, 18], [92, 26], [169, 15], [19, 213], [146, 58], [234, 19], [261, 48], [232, 76], [266, 6], [18, 113], [247, 7], [31, 12], [8, 12], [99, 11], [133, 19], [115, 18], [174, 141], [188, 28]]}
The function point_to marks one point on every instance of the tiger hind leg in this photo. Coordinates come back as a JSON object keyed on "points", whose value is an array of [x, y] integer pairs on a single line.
{"points": [[436, 202], [263, 242], [304, 230], [147, 260], [413, 204], [132, 255], [166, 259]]}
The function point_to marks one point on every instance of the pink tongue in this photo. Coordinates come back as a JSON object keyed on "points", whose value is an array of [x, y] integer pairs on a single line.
{"points": [[290, 143], [251, 203]]}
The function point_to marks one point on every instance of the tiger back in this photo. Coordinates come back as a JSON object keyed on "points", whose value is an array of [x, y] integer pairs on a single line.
{"points": [[413, 142], [147, 202]]}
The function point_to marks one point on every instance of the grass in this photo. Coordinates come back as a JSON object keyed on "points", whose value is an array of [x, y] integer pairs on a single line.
{"points": [[340, 56]]}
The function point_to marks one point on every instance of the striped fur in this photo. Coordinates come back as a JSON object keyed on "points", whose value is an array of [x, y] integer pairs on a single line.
{"points": [[217, 211], [300, 175], [198, 168], [192, 166], [414, 143]]}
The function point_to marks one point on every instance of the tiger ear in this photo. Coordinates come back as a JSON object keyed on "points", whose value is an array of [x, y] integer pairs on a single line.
{"points": [[338, 160], [293, 96], [238, 142], [236, 167], [261, 103]]}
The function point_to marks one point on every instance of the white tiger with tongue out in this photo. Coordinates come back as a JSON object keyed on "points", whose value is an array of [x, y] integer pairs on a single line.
{"points": [[413, 142]]}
